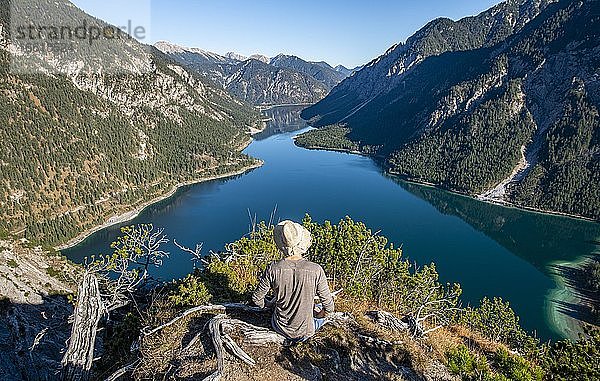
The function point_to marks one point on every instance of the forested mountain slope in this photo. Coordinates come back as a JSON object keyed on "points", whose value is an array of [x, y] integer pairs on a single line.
{"points": [[79, 145], [262, 84], [513, 117]]}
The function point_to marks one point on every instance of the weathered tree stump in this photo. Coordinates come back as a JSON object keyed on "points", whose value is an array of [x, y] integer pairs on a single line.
{"points": [[77, 361]]}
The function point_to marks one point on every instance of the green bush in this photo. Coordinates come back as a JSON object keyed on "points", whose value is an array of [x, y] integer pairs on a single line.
{"points": [[516, 368], [506, 367], [235, 274], [53, 272], [469, 366], [190, 292], [12, 263], [577, 361], [364, 264], [498, 322], [371, 269]]}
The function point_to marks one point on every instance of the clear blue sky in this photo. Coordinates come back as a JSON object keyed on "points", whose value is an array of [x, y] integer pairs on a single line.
{"points": [[349, 32]]}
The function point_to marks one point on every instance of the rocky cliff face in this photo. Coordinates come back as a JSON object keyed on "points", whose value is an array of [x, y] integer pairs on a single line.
{"points": [[34, 311], [503, 105]]}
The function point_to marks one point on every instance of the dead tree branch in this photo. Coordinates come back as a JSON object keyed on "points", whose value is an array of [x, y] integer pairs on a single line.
{"points": [[196, 253], [388, 321], [122, 371], [215, 308]]}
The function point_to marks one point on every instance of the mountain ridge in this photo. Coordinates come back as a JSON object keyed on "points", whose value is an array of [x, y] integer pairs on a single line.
{"points": [[283, 79], [385, 72]]}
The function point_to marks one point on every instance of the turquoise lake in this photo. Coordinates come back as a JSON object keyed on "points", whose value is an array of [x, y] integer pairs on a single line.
{"points": [[490, 250]]}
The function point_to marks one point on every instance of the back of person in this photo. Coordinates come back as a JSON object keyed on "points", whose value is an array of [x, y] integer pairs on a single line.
{"points": [[295, 282]]}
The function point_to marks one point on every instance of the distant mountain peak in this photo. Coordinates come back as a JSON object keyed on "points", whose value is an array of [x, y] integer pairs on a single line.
{"points": [[168, 47], [236, 56], [259, 79], [260, 57], [174, 49]]}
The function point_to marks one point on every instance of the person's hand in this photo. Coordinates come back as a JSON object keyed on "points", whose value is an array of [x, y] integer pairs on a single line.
{"points": [[320, 314]]}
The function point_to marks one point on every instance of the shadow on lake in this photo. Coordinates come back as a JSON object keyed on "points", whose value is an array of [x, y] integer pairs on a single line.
{"points": [[540, 239]]}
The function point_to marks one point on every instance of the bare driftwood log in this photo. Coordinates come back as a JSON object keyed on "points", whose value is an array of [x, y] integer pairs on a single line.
{"points": [[219, 328], [214, 327], [220, 308], [253, 335], [78, 358], [377, 341], [236, 350], [388, 321]]}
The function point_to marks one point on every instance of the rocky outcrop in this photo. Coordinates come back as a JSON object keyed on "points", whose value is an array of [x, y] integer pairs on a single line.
{"points": [[34, 311]]}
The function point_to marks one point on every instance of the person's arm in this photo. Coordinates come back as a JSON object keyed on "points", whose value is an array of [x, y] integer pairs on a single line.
{"points": [[324, 294], [258, 297]]}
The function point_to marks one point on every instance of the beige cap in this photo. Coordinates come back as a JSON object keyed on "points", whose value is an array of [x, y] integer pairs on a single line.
{"points": [[292, 238]]}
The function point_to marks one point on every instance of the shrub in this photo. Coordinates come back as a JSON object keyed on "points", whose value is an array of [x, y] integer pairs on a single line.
{"points": [[498, 322], [190, 292], [371, 269], [516, 368], [506, 367], [463, 363], [567, 360], [12, 263], [52, 272], [364, 264], [235, 275]]}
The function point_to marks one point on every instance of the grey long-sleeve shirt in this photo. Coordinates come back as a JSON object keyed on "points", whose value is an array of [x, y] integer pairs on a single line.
{"points": [[295, 285]]}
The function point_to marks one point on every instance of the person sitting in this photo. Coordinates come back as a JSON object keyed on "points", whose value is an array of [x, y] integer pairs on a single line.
{"points": [[295, 281]]}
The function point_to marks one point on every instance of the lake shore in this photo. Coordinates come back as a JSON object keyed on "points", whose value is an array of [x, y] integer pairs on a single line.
{"points": [[566, 292], [130, 215], [488, 200], [563, 316]]}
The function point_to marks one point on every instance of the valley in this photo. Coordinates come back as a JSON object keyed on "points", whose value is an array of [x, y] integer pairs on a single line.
{"points": [[450, 188]]}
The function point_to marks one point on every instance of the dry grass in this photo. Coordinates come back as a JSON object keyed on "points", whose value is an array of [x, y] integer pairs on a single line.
{"points": [[339, 352]]}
